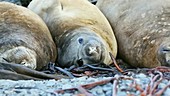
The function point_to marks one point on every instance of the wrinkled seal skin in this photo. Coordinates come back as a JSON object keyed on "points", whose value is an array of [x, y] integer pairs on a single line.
{"points": [[24, 37], [142, 29], [81, 32]]}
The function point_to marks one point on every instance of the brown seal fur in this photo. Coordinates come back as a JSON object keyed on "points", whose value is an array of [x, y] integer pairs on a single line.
{"points": [[24, 37], [81, 32], [142, 29]]}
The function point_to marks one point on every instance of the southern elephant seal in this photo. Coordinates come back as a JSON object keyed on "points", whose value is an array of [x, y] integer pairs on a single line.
{"points": [[142, 29], [24, 37], [81, 32]]}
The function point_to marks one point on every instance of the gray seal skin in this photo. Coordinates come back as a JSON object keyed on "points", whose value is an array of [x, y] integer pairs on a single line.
{"points": [[142, 29], [24, 37], [81, 32]]}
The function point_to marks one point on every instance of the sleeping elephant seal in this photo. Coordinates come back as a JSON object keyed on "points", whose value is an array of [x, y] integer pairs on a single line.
{"points": [[81, 32], [24, 37], [142, 29]]}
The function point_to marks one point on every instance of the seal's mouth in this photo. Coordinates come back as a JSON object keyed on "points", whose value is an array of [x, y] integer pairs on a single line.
{"points": [[79, 62]]}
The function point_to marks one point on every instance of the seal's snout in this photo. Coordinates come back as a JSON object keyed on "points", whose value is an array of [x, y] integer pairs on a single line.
{"points": [[92, 50]]}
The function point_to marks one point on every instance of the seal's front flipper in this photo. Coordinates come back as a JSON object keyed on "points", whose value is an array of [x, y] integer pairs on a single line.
{"points": [[17, 72], [6, 74]]}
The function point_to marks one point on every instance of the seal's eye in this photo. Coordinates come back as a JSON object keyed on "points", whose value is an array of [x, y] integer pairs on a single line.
{"points": [[80, 40]]}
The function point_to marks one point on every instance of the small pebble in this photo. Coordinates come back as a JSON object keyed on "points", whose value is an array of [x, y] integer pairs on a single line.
{"points": [[167, 92], [109, 93], [48, 87], [99, 91], [107, 87]]}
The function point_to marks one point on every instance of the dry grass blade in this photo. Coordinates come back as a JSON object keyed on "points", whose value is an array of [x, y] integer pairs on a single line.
{"points": [[114, 62], [115, 88], [159, 93], [88, 86], [83, 91]]}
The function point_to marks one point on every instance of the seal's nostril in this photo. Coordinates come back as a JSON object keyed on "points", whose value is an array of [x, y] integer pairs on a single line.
{"points": [[92, 50]]}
